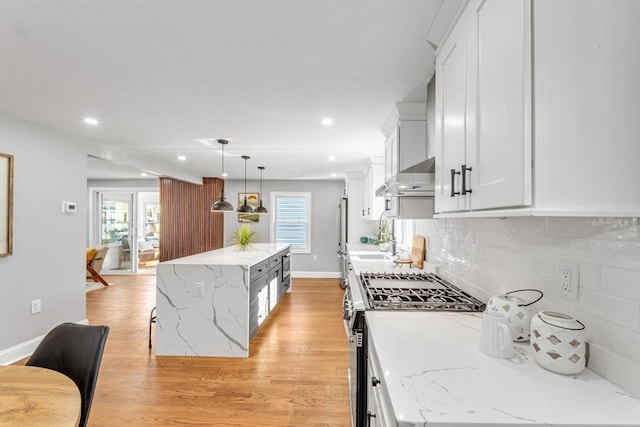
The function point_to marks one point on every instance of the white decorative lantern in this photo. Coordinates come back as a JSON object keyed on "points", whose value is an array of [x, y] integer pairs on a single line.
{"points": [[518, 310], [558, 342]]}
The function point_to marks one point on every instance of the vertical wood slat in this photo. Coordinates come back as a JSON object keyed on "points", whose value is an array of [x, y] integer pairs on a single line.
{"points": [[187, 226]]}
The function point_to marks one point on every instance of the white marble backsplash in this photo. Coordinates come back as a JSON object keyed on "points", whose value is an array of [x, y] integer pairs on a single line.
{"points": [[491, 256]]}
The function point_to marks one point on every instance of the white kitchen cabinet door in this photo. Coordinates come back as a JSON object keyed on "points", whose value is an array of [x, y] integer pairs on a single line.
{"points": [[483, 109], [498, 107], [366, 195], [391, 154], [450, 120], [372, 205], [411, 146]]}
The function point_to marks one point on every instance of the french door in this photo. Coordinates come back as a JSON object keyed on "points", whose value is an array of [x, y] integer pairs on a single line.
{"points": [[127, 221]]}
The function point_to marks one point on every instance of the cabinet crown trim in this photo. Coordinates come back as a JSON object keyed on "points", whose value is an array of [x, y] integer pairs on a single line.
{"points": [[404, 111]]}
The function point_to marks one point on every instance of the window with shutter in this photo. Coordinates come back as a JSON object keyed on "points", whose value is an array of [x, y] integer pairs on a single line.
{"points": [[291, 220]]}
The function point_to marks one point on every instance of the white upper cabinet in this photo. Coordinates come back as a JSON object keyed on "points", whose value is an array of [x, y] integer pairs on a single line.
{"points": [[372, 206], [450, 127], [542, 118], [405, 131], [483, 93], [587, 107]]}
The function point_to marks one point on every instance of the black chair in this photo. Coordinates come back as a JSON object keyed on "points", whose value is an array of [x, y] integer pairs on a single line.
{"points": [[75, 351]]}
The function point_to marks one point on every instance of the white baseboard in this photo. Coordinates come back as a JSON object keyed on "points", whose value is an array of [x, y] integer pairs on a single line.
{"points": [[316, 274], [25, 349], [20, 351]]}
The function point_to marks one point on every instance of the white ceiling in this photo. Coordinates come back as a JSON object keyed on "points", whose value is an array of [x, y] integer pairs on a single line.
{"points": [[262, 73]]}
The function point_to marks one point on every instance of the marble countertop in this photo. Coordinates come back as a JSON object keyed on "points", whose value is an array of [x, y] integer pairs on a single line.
{"points": [[435, 375], [232, 255], [380, 265]]}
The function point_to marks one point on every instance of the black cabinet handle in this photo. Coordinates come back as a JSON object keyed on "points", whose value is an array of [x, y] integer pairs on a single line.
{"points": [[362, 212], [453, 176], [374, 381], [464, 180], [368, 211]]}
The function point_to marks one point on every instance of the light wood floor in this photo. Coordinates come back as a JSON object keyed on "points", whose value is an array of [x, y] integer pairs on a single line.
{"points": [[296, 374]]}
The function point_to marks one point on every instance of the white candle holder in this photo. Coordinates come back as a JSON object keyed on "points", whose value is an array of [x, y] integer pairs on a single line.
{"points": [[558, 342], [518, 311]]}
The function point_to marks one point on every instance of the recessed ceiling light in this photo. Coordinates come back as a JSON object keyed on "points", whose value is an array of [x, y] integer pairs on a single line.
{"points": [[91, 121], [144, 174], [224, 174], [333, 175], [182, 158], [327, 121], [332, 158]]}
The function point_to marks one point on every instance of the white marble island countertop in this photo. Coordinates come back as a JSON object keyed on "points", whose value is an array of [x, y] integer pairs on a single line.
{"points": [[233, 255], [436, 376]]}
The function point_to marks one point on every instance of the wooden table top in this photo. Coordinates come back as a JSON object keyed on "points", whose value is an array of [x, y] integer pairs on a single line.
{"points": [[37, 397]]}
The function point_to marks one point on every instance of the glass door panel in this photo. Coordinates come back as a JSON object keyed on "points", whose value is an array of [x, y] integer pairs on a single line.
{"points": [[118, 233], [148, 231]]}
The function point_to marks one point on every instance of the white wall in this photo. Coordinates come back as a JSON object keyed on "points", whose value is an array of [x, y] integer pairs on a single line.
{"points": [[324, 234], [492, 256], [48, 260]]}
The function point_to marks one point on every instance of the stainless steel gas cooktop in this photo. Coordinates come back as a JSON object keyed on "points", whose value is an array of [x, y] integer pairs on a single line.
{"points": [[415, 291]]}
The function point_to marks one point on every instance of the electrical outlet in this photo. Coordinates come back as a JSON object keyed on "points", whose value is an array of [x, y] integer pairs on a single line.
{"points": [[315, 257], [568, 280], [200, 289], [36, 306]]}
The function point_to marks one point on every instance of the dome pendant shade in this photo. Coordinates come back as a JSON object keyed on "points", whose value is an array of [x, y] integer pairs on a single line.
{"points": [[261, 209], [222, 205], [245, 208]]}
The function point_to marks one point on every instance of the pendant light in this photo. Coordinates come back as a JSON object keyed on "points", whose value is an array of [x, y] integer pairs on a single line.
{"points": [[261, 209], [222, 205], [245, 208]]}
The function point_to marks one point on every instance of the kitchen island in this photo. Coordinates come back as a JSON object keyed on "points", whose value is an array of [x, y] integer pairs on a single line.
{"points": [[431, 372], [211, 304]]}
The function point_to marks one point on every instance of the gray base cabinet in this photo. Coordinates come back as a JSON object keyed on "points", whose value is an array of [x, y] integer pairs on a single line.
{"points": [[269, 280]]}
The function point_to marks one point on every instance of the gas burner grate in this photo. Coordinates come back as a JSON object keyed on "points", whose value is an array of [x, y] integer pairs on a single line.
{"points": [[416, 291]]}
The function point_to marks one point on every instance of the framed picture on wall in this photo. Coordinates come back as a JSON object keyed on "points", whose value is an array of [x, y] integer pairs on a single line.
{"points": [[253, 200], [6, 204]]}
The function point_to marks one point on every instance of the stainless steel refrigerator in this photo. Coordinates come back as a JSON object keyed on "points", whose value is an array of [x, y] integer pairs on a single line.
{"points": [[343, 229]]}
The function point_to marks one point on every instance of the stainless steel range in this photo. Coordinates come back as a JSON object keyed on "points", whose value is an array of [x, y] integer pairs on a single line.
{"points": [[415, 291], [390, 291]]}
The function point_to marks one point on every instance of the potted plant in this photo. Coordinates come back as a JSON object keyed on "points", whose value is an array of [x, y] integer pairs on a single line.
{"points": [[244, 236], [384, 235]]}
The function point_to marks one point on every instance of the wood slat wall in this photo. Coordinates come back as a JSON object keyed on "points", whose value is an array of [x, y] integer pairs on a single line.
{"points": [[187, 226]]}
